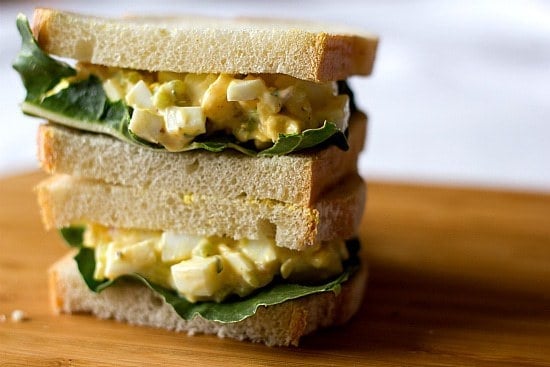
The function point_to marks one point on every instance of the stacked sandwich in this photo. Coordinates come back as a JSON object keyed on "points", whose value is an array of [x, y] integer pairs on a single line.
{"points": [[204, 170]]}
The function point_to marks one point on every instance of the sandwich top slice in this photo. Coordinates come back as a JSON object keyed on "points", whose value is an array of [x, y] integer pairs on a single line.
{"points": [[260, 87], [193, 44]]}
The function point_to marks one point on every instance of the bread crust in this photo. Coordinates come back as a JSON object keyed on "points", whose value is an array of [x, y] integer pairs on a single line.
{"points": [[39, 26], [307, 51], [296, 178], [47, 148], [279, 325]]}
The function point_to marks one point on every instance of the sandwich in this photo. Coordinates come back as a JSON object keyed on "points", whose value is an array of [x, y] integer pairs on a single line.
{"points": [[204, 171]]}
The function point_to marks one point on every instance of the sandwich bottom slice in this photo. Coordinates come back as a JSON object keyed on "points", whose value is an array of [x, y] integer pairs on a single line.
{"points": [[133, 302]]}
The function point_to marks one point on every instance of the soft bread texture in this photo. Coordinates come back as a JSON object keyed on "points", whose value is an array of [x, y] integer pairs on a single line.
{"points": [[295, 178], [65, 200], [194, 44], [279, 325]]}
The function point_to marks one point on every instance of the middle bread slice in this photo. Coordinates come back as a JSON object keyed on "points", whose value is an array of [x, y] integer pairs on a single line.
{"points": [[297, 178], [66, 200]]}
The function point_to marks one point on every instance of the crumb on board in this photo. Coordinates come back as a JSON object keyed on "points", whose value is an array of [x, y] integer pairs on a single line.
{"points": [[2, 318], [18, 316]]}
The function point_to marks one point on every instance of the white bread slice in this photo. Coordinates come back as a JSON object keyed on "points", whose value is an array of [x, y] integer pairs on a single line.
{"points": [[66, 200], [295, 178], [208, 45], [136, 304]]}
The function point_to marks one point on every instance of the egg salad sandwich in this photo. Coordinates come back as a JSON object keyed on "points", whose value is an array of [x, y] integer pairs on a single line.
{"points": [[204, 170]]}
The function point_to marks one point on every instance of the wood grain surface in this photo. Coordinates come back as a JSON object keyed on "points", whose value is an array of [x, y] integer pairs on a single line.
{"points": [[458, 277]]}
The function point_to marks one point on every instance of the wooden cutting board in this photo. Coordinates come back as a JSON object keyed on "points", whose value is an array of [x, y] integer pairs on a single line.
{"points": [[458, 277]]}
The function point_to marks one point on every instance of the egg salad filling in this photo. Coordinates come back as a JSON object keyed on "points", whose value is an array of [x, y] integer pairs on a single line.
{"points": [[207, 268], [172, 109], [255, 114]]}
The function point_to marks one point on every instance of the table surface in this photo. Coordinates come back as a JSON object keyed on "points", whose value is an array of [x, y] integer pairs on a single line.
{"points": [[458, 277]]}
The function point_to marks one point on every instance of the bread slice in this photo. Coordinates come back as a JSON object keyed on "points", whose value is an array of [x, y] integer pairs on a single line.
{"points": [[295, 178], [194, 44], [136, 304], [65, 200]]}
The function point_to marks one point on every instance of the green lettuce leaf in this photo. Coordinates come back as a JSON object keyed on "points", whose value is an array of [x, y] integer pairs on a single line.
{"points": [[74, 236], [233, 310], [288, 143], [38, 70], [85, 106]]}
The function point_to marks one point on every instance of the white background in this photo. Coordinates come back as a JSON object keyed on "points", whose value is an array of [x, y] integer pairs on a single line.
{"points": [[460, 94]]}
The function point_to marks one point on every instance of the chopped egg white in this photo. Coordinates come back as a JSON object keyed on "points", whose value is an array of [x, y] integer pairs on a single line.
{"points": [[140, 96], [186, 120], [197, 278], [113, 90], [176, 247], [245, 90], [124, 259], [262, 255], [146, 124]]}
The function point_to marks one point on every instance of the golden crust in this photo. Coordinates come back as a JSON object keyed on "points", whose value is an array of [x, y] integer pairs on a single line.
{"points": [[46, 152], [40, 25], [46, 204], [55, 297]]}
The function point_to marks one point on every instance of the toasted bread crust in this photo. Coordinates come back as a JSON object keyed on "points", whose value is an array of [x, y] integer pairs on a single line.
{"points": [[47, 149], [56, 298], [282, 325], [212, 45], [40, 25]]}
